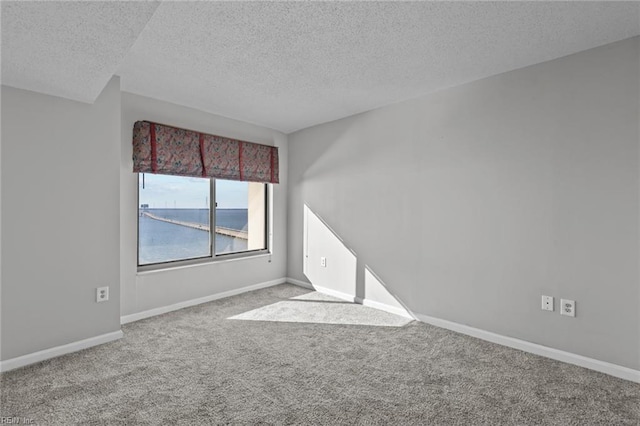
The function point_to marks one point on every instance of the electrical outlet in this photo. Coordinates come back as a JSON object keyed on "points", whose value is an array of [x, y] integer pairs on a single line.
{"points": [[323, 262], [102, 294], [547, 303], [568, 307]]}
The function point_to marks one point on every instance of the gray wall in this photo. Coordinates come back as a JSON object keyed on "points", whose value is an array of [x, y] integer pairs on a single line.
{"points": [[60, 226], [470, 203], [149, 290], [69, 218]]}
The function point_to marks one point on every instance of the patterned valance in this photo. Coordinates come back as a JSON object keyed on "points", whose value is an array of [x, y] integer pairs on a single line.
{"points": [[173, 151]]}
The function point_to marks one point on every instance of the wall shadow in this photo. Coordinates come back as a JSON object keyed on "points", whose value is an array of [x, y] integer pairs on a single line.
{"points": [[329, 265], [333, 268]]}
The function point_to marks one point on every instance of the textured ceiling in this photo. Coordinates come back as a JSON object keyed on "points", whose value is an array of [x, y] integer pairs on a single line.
{"points": [[68, 49], [290, 65]]}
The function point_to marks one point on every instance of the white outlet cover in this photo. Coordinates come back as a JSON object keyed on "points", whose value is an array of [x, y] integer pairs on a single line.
{"points": [[568, 307], [102, 294], [323, 262]]}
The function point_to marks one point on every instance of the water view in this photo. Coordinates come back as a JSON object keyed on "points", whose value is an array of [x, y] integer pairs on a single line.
{"points": [[175, 234]]}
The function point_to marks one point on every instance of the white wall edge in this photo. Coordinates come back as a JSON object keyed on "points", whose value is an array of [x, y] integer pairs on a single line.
{"points": [[384, 307], [534, 348], [125, 319], [57, 351], [300, 283]]}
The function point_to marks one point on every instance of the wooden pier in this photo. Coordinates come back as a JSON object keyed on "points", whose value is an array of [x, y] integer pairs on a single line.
{"points": [[219, 229]]}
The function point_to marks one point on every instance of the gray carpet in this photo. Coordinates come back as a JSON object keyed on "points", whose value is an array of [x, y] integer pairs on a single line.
{"points": [[320, 308], [197, 367]]}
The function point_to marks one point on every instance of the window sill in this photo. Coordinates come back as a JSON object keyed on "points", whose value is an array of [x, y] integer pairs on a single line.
{"points": [[233, 257]]}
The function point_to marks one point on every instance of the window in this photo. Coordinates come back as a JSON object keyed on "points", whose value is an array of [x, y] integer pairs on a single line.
{"points": [[177, 221]]}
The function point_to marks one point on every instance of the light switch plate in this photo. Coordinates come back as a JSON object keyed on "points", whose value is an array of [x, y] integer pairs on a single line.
{"points": [[547, 303]]}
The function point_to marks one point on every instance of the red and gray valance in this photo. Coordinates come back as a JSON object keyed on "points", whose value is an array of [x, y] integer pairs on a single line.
{"points": [[173, 151]]}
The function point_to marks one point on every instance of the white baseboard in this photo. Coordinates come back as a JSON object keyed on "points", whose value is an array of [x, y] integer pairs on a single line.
{"points": [[335, 293], [325, 290], [534, 348], [384, 307], [57, 351], [365, 302], [125, 319], [300, 283]]}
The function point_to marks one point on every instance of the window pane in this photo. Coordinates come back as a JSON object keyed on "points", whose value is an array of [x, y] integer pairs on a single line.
{"points": [[240, 216], [173, 218]]}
